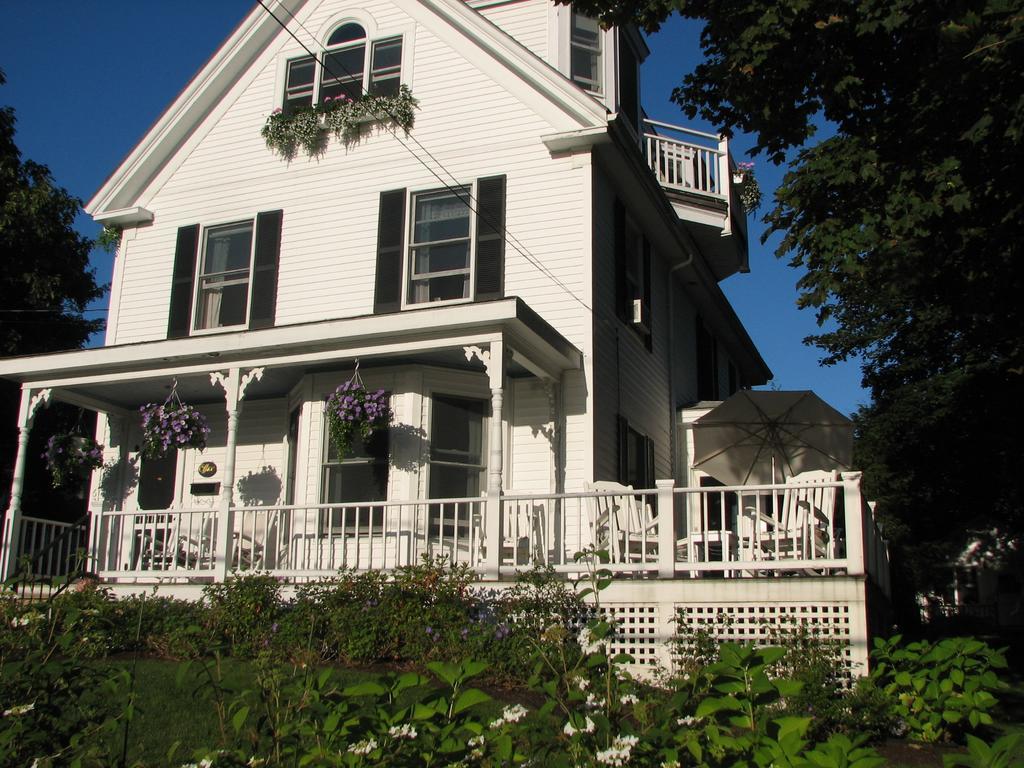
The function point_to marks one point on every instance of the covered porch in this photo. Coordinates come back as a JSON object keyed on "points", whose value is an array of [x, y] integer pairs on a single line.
{"points": [[487, 369]]}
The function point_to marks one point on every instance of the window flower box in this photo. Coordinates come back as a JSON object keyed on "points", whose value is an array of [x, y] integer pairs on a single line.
{"points": [[307, 128]]}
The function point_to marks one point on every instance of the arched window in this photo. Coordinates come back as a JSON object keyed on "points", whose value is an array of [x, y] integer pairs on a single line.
{"points": [[343, 63], [350, 66]]}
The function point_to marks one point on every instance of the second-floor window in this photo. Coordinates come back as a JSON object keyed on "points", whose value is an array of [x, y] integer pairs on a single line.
{"points": [[585, 65], [350, 66], [223, 286], [440, 246]]}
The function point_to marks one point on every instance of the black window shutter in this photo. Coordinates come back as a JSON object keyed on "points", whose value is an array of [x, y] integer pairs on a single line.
{"points": [[648, 310], [387, 295], [179, 320], [622, 438], [622, 300], [490, 238], [263, 300]]}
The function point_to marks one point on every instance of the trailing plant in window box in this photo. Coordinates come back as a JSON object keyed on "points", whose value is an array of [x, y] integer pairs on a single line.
{"points": [[70, 457], [171, 424], [750, 190], [306, 127], [353, 411]]}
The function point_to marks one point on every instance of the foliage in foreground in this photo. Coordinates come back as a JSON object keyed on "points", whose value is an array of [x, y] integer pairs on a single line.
{"points": [[738, 706]]}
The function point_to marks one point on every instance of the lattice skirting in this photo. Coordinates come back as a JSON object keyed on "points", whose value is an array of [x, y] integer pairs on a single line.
{"points": [[650, 614]]}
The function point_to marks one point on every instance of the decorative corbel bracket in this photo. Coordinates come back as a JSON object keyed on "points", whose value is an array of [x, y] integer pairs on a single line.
{"points": [[37, 401], [234, 384]]}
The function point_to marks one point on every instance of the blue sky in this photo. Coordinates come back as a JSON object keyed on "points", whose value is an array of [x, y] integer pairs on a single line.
{"points": [[86, 80]]}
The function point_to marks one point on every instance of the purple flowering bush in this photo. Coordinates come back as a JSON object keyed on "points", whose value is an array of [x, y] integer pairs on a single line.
{"points": [[353, 411], [171, 425], [70, 457]]}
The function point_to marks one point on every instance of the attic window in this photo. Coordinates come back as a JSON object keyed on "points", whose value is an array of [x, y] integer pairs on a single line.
{"points": [[350, 67], [585, 65]]}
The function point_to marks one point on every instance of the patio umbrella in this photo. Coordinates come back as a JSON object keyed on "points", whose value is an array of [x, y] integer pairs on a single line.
{"points": [[763, 437]]}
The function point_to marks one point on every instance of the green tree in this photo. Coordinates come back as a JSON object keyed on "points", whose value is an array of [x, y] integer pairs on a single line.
{"points": [[45, 285], [906, 221]]}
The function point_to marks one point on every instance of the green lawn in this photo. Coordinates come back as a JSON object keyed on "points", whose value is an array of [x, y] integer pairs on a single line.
{"points": [[169, 713]]}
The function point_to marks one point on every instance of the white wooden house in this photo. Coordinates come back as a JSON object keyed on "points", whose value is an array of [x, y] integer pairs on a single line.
{"points": [[530, 272]]}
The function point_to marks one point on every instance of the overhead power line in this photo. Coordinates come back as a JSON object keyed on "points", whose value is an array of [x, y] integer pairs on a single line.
{"points": [[461, 192]]}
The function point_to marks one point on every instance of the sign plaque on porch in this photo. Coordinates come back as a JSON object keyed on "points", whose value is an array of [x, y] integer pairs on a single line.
{"points": [[207, 469]]}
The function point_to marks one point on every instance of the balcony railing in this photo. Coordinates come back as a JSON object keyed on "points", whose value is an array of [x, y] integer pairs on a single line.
{"points": [[686, 160], [667, 532]]}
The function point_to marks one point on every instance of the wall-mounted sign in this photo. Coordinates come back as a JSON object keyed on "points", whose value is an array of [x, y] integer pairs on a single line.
{"points": [[204, 489], [207, 469]]}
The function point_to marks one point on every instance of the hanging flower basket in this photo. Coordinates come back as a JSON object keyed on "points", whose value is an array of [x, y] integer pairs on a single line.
{"points": [[171, 424], [354, 411], [750, 190], [71, 457]]}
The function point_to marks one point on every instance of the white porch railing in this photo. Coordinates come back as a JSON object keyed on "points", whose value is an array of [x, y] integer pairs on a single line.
{"points": [[52, 546], [687, 160], [733, 532]]}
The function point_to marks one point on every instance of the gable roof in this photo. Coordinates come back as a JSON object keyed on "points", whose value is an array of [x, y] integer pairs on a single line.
{"points": [[553, 96]]}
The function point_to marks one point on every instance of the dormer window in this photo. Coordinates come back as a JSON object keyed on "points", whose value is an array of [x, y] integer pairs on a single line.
{"points": [[585, 65], [350, 66]]}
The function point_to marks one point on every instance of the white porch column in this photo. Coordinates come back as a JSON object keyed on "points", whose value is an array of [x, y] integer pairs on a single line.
{"points": [[234, 385], [493, 359], [30, 404]]}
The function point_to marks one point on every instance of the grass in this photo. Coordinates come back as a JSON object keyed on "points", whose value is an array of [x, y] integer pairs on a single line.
{"points": [[169, 713]]}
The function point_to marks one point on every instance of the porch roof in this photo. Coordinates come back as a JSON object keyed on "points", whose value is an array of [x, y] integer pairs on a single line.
{"points": [[122, 376]]}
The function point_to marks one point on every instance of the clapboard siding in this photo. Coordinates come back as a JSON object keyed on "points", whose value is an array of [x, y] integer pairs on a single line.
{"points": [[526, 21], [472, 126], [633, 382], [532, 434]]}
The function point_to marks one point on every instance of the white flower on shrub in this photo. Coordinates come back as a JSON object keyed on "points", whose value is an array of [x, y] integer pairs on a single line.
{"points": [[21, 709], [476, 745], [687, 721], [363, 747], [619, 752], [592, 702], [629, 698], [589, 643], [511, 714], [570, 729], [403, 731], [582, 683]]}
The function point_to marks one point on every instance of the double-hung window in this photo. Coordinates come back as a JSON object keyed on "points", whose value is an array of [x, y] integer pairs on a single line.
{"points": [[585, 60], [224, 276], [440, 246], [358, 478], [349, 66]]}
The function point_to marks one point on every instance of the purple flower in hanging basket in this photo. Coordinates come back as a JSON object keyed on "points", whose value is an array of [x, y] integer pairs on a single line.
{"points": [[352, 412], [70, 457], [172, 422]]}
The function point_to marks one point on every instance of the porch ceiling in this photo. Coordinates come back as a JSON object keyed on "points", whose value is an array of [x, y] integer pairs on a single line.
{"points": [[124, 376]]}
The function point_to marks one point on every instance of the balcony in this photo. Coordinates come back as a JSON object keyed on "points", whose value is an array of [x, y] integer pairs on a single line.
{"points": [[695, 170]]}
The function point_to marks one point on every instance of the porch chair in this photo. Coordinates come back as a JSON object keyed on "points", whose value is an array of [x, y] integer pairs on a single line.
{"points": [[804, 527], [524, 526], [621, 524]]}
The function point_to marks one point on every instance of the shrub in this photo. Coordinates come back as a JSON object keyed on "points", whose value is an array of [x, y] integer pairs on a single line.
{"points": [[940, 690], [242, 612]]}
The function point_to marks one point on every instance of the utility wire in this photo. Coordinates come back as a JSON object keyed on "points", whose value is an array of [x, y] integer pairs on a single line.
{"points": [[458, 192]]}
